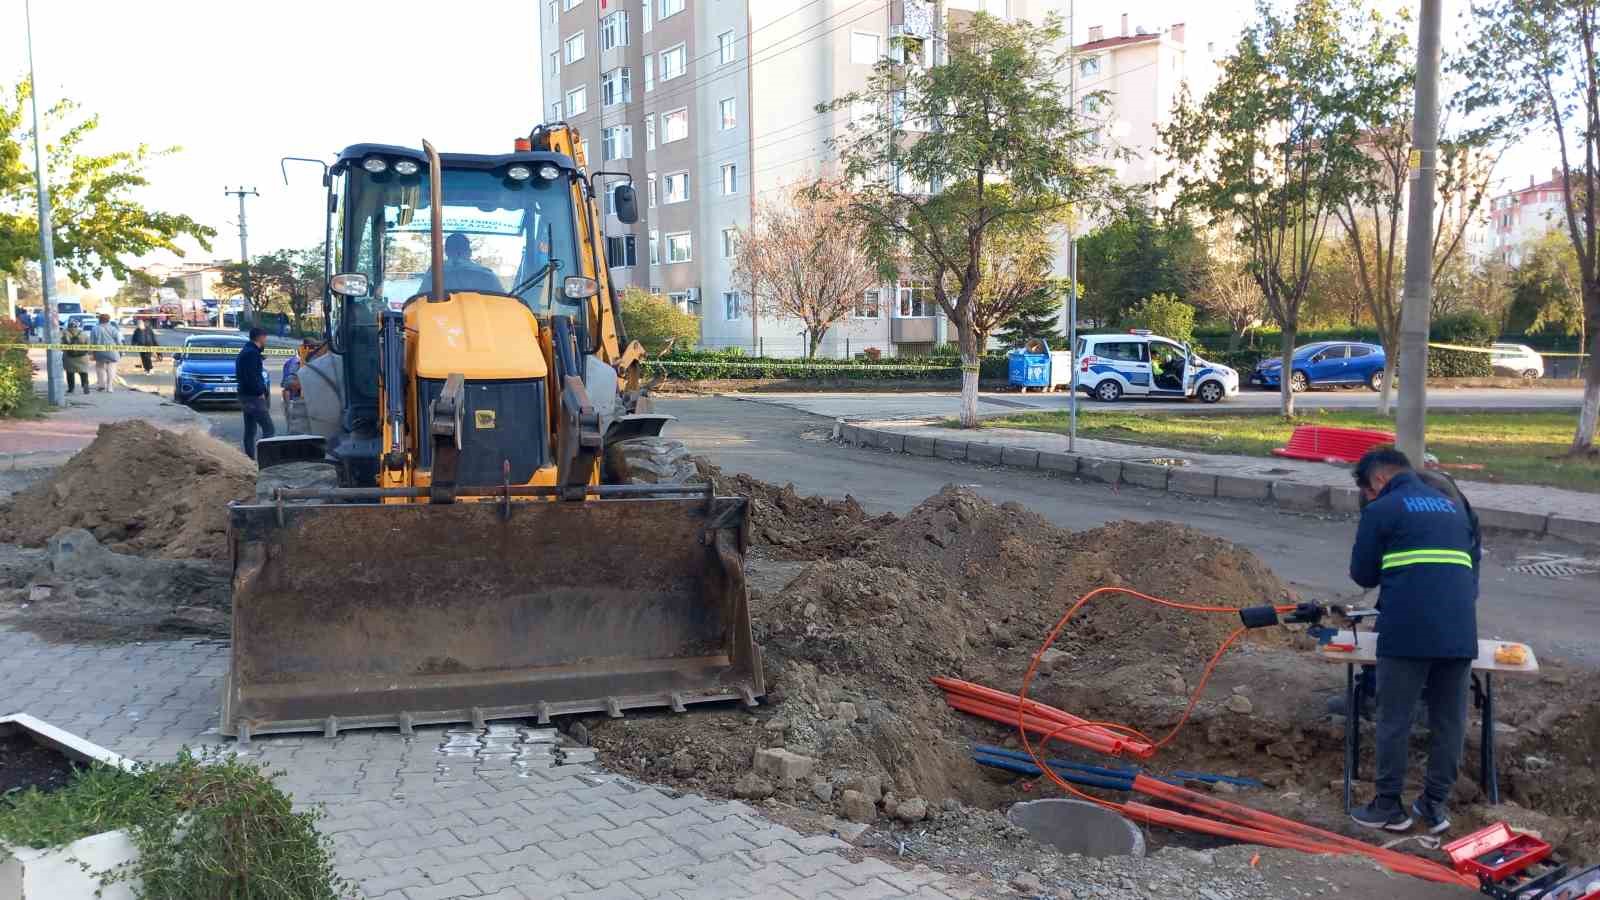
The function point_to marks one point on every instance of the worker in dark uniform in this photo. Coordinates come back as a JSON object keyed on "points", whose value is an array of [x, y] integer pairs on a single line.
{"points": [[1420, 547]]}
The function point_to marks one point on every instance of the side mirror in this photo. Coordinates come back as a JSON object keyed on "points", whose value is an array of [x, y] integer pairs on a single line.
{"points": [[625, 199], [349, 284], [579, 287]]}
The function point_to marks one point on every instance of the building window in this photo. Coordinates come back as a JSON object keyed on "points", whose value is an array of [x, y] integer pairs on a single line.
{"points": [[616, 86], [725, 51], [685, 301], [679, 247], [650, 133], [864, 47], [574, 47], [650, 189], [578, 100], [614, 30], [1089, 66], [730, 179], [732, 306], [583, 150], [916, 301], [674, 125], [730, 116], [730, 243], [555, 63], [673, 61], [1090, 105], [616, 142], [554, 15], [645, 16], [620, 252], [1000, 9], [570, 4], [555, 110], [670, 8], [649, 72], [675, 187], [655, 252], [871, 302]]}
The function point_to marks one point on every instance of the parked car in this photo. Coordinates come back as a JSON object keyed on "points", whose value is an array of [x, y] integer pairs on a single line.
{"points": [[1323, 364], [208, 376], [85, 320], [1516, 359], [65, 309], [1139, 363]]}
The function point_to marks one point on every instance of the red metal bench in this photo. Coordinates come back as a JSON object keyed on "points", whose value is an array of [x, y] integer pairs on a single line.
{"points": [[1321, 443]]}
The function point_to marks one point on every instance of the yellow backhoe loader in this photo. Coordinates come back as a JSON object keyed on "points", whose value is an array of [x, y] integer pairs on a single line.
{"points": [[484, 520]]}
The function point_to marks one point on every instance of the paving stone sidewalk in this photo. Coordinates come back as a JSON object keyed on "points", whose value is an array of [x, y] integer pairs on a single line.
{"points": [[454, 812], [51, 440]]}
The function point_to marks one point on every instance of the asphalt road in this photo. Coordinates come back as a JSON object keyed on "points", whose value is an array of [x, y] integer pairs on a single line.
{"points": [[1309, 551], [900, 405], [227, 424]]}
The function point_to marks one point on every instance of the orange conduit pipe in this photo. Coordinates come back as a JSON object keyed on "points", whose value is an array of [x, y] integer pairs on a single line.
{"points": [[1139, 745], [1007, 716]]}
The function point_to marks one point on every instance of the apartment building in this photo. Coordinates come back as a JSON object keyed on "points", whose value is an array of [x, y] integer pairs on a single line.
{"points": [[1519, 217]]}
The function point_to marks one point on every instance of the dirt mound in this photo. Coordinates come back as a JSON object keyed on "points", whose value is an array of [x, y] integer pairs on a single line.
{"points": [[138, 489], [792, 526]]}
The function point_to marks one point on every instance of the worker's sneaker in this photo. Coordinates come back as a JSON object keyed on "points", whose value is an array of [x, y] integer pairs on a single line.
{"points": [[1381, 813], [1432, 815]]}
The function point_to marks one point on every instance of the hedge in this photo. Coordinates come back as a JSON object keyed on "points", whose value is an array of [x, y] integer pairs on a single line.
{"points": [[16, 372], [706, 366]]}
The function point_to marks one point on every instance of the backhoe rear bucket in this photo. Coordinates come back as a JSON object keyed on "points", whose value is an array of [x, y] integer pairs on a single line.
{"points": [[365, 615]]}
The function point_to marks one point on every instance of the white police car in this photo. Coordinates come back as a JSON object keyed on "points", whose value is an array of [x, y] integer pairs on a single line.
{"points": [[1138, 363]]}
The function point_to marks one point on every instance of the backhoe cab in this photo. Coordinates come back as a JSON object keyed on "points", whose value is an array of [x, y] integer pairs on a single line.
{"points": [[486, 521]]}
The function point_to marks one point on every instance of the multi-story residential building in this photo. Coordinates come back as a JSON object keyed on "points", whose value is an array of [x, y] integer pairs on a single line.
{"points": [[1519, 217], [1128, 83]]}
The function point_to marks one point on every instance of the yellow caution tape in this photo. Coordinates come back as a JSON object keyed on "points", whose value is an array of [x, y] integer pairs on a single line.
{"points": [[139, 348], [1492, 350]]}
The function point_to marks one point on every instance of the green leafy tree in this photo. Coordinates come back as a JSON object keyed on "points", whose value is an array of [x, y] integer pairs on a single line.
{"points": [[1544, 290], [135, 289], [1134, 256], [1273, 150], [1165, 315], [98, 221], [286, 281], [1532, 66], [1038, 316], [176, 285], [656, 322], [927, 164]]}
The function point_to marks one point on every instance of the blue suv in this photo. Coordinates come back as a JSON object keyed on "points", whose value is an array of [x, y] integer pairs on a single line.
{"points": [[208, 375], [1341, 363]]}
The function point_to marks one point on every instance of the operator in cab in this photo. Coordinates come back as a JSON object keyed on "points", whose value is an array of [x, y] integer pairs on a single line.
{"points": [[1419, 546], [461, 273]]}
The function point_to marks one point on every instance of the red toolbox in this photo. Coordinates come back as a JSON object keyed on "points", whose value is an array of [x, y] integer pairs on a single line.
{"points": [[1496, 852]]}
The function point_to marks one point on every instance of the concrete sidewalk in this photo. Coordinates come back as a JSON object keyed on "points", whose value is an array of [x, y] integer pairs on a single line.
{"points": [[1572, 515], [26, 443]]}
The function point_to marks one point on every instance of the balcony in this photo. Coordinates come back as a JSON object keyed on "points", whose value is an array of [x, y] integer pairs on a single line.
{"points": [[912, 331]]}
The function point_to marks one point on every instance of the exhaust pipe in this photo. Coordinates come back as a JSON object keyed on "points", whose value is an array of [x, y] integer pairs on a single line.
{"points": [[436, 204]]}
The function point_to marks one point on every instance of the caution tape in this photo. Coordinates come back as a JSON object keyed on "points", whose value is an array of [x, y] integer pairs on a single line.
{"points": [[141, 348], [1493, 350], [802, 364]]}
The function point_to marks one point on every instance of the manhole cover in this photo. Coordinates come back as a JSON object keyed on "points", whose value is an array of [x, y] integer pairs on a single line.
{"points": [[1549, 566]]}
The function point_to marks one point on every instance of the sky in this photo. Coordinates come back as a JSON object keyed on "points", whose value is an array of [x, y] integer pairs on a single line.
{"points": [[237, 84]]}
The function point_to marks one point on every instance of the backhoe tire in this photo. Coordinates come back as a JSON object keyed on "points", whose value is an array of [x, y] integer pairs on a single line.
{"points": [[300, 474], [649, 460]]}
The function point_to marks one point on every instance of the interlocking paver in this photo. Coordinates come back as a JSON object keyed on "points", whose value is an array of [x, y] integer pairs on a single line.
{"points": [[864, 871], [868, 890], [610, 892], [458, 887], [818, 885]]}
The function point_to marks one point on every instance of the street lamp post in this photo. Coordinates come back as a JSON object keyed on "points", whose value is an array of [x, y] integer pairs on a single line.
{"points": [[47, 251]]}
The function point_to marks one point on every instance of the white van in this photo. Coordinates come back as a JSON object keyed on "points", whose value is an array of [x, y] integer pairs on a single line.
{"points": [[1142, 364]]}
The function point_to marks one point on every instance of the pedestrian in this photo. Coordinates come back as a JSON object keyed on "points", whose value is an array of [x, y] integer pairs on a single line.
{"points": [[75, 362], [145, 336], [25, 322], [108, 334], [255, 397], [294, 410], [1419, 547]]}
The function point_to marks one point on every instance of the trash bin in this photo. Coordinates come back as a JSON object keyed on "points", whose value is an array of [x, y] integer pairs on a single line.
{"points": [[1060, 369], [1029, 366]]}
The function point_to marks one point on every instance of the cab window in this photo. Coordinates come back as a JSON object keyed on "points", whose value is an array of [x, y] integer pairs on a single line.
{"points": [[1357, 352]]}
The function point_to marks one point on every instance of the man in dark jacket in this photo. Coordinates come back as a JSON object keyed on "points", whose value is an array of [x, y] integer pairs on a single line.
{"points": [[255, 396], [1420, 548]]}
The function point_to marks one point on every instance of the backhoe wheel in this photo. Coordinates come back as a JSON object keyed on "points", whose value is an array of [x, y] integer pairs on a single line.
{"points": [[300, 474], [649, 460]]}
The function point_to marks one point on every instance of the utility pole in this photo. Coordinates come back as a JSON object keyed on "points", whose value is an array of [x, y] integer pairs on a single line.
{"points": [[244, 255], [1072, 243], [47, 248], [1417, 300]]}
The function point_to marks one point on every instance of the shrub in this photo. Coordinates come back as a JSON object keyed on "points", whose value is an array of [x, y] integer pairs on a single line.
{"points": [[1472, 329], [1165, 315], [16, 372], [655, 321]]}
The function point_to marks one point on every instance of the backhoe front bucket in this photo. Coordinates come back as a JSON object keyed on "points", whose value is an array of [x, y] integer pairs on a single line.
{"points": [[364, 615]]}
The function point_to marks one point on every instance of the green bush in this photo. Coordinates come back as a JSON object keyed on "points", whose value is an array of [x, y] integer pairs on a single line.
{"points": [[16, 372], [1165, 315], [1458, 364], [655, 321], [1472, 329]]}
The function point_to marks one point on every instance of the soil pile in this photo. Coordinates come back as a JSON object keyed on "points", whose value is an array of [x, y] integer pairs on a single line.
{"points": [[138, 489], [791, 526]]}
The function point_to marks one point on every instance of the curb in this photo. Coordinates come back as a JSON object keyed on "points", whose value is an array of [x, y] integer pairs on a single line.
{"points": [[1294, 495]]}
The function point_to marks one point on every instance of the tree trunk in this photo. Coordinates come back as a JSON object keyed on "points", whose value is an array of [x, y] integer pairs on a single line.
{"points": [[1386, 392], [1233, 339], [968, 339], [813, 340], [1589, 412], [1286, 374]]}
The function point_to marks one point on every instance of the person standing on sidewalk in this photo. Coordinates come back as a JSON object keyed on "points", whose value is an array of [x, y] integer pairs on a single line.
{"points": [[1419, 547], [25, 322], [108, 333], [145, 336], [75, 362], [255, 395]]}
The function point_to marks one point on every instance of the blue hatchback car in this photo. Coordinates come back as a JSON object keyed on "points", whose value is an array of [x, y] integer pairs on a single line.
{"points": [[208, 376], [1325, 363]]}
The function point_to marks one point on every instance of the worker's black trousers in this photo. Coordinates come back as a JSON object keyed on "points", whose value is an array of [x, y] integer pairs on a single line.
{"points": [[1442, 684], [257, 414]]}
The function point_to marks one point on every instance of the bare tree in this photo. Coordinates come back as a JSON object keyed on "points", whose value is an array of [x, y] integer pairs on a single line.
{"points": [[802, 258], [1231, 293]]}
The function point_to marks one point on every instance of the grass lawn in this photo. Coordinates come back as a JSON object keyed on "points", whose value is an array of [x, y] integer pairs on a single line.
{"points": [[1517, 448]]}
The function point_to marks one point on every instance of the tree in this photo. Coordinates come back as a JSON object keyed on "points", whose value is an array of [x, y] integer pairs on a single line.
{"points": [[802, 258], [927, 162], [176, 285], [1532, 65], [1134, 256], [97, 218], [285, 281], [656, 322], [1272, 150], [1544, 290], [1038, 316], [1165, 315], [135, 289], [1231, 294]]}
